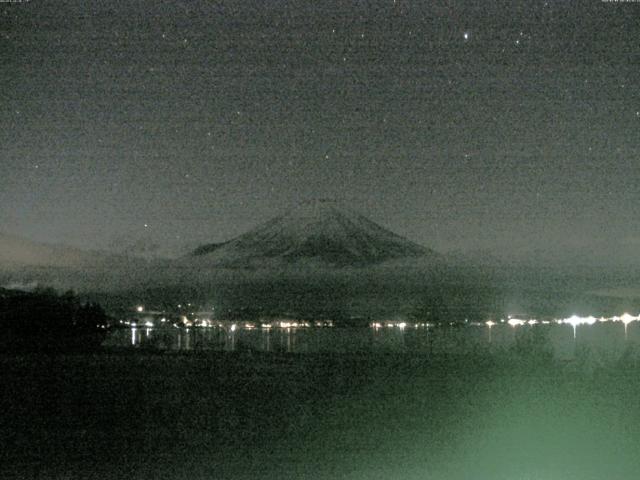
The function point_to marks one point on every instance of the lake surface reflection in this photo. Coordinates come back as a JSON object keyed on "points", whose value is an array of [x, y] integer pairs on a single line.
{"points": [[600, 338]]}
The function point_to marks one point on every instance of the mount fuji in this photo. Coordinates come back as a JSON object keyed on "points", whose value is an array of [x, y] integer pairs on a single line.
{"points": [[319, 232]]}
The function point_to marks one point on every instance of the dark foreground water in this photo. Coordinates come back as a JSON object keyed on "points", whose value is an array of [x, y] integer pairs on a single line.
{"points": [[509, 414]]}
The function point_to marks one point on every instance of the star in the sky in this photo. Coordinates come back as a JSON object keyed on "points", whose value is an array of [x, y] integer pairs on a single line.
{"points": [[466, 35]]}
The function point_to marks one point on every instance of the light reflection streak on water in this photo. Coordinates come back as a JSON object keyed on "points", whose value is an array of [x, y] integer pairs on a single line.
{"points": [[267, 340]]}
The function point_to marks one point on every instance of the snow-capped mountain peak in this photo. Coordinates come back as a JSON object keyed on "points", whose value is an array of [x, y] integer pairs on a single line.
{"points": [[320, 230]]}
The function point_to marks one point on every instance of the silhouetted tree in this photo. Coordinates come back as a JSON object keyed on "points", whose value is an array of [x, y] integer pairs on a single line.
{"points": [[43, 320]]}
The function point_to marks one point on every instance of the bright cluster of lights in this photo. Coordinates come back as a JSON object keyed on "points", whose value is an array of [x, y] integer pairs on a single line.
{"points": [[205, 319], [324, 323], [290, 324], [232, 326], [516, 322], [399, 324], [625, 318], [573, 320]]}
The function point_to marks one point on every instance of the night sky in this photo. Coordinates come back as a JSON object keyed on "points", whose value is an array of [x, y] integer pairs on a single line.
{"points": [[512, 126]]}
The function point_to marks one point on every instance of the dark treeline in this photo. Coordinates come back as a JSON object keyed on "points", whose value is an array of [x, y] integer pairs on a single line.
{"points": [[352, 297], [44, 320]]}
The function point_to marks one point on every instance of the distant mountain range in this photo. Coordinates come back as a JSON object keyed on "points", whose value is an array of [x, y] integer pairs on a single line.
{"points": [[313, 235], [316, 259], [320, 232], [18, 252], [25, 264]]}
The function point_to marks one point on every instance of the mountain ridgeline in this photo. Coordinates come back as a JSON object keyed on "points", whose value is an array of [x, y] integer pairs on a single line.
{"points": [[319, 232], [318, 260]]}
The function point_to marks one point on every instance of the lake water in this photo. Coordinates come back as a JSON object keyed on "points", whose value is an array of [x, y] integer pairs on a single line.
{"points": [[601, 338], [376, 417]]}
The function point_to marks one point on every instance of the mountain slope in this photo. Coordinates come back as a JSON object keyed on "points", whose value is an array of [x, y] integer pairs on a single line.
{"points": [[319, 231]]}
